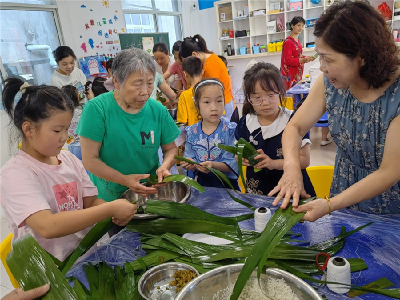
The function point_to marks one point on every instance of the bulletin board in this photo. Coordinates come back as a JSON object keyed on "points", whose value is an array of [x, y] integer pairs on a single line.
{"points": [[96, 27], [144, 41]]}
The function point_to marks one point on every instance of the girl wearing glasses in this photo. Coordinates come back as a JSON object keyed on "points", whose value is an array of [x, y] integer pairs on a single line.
{"points": [[263, 122]]}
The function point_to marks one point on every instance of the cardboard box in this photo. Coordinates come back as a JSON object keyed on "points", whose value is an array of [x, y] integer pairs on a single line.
{"points": [[225, 12], [271, 27]]}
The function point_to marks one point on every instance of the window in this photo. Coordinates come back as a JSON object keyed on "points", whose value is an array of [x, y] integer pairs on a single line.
{"points": [[160, 16], [28, 38]]}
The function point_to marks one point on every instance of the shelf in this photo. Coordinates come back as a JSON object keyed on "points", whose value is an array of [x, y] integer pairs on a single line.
{"points": [[289, 11], [228, 39], [258, 16], [261, 34], [315, 7], [225, 21], [243, 37], [277, 13], [275, 32], [263, 54]]}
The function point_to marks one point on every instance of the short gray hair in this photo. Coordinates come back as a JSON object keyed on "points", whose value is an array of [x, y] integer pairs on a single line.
{"points": [[132, 60]]}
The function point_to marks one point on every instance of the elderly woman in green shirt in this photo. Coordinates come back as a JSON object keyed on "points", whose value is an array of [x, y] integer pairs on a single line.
{"points": [[122, 130]]}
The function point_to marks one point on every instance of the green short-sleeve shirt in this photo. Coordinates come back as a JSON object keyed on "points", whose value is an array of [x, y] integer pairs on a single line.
{"points": [[130, 142]]}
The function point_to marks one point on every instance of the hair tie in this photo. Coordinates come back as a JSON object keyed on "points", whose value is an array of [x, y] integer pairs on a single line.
{"points": [[23, 87], [208, 81]]}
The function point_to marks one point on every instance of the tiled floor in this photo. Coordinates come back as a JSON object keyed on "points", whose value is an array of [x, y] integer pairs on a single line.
{"points": [[320, 155]]}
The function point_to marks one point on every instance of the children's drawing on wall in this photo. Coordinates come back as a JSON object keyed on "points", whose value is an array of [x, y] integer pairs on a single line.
{"points": [[91, 43], [83, 46], [93, 65], [148, 44]]}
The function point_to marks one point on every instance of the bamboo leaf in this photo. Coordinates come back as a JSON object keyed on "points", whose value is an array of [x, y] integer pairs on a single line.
{"points": [[186, 180], [91, 238], [240, 149], [281, 222], [381, 283], [177, 226], [152, 259], [152, 180], [33, 267]]}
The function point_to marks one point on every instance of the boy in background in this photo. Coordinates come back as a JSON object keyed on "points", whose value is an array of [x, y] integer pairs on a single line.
{"points": [[193, 71]]}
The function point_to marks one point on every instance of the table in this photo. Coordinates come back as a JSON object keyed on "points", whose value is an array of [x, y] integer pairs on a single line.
{"points": [[301, 88], [378, 244]]}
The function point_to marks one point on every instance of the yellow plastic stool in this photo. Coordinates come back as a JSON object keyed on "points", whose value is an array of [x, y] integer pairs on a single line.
{"points": [[244, 169], [5, 248], [289, 103], [321, 179]]}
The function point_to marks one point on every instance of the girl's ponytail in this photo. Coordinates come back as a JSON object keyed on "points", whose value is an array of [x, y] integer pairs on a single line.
{"points": [[193, 44], [11, 89], [37, 103]]}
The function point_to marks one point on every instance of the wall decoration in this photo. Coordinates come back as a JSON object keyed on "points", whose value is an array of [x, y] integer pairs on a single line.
{"points": [[83, 46], [148, 44], [95, 28], [109, 42], [93, 65], [106, 3]]}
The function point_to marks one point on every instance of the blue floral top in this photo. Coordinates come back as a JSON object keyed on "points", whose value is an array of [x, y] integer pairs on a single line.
{"points": [[202, 147], [359, 130]]}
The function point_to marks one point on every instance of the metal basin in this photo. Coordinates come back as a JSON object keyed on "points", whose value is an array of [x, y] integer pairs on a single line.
{"points": [[171, 191], [208, 284], [154, 284], [172, 112]]}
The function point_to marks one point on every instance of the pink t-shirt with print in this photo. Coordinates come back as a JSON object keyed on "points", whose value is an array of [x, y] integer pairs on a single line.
{"points": [[29, 186], [176, 68]]}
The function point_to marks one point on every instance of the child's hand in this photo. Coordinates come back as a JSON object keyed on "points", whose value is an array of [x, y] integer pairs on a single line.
{"points": [[123, 211], [187, 166], [245, 162], [203, 169], [264, 161]]}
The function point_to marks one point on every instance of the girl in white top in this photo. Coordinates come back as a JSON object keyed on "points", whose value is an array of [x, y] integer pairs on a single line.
{"points": [[163, 63], [67, 74], [46, 192]]}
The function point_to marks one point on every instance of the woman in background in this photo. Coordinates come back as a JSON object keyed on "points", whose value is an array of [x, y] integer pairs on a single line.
{"points": [[163, 63], [293, 60], [67, 74]]}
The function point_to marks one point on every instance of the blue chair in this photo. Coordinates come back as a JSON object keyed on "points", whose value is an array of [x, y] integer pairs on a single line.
{"points": [[323, 121]]}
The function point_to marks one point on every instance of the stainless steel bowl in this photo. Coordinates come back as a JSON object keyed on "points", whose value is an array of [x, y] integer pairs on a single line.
{"points": [[154, 284], [208, 284], [171, 191], [172, 112]]}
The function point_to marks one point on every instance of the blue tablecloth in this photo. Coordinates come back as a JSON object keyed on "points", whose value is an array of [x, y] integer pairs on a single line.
{"points": [[378, 244]]}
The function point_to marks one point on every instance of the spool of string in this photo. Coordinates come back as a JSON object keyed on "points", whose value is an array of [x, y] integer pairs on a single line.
{"points": [[261, 218], [338, 270]]}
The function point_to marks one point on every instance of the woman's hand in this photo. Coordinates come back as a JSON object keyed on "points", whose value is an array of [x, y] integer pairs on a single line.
{"points": [[290, 186], [123, 211], [314, 209], [264, 161], [245, 162], [203, 169], [133, 182], [187, 166], [19, 294], [162, 172]]}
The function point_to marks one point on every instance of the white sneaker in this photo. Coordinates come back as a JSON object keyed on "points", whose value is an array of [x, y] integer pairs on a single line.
{"points": [[327, 141]]}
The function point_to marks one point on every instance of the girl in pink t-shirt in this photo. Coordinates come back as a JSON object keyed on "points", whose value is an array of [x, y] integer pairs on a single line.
{"points": [[176, 67], [46, 192]]}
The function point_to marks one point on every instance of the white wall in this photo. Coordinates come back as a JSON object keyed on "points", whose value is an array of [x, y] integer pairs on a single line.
{"points": [[5, 150]]}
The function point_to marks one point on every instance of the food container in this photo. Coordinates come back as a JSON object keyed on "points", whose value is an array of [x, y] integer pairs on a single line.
{"points": [[154, 284], [170, 191], [208, 284]]}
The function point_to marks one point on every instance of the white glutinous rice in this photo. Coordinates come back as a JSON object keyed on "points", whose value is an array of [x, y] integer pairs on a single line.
{"points": [[275, 289]]}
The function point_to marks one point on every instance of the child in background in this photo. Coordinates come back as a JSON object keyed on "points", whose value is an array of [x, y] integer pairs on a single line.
{"points": [[109, 83], [98, 87], [46, 192], [187, 112], [262, 125], [73, 94], [203, 137], [176, 67]]}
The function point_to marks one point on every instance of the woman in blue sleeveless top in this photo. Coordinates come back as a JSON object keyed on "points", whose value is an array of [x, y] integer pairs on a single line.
{"points": [[360, 91]]}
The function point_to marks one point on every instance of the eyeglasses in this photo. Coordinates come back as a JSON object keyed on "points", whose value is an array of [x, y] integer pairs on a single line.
{"points": [[268, 99]]}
